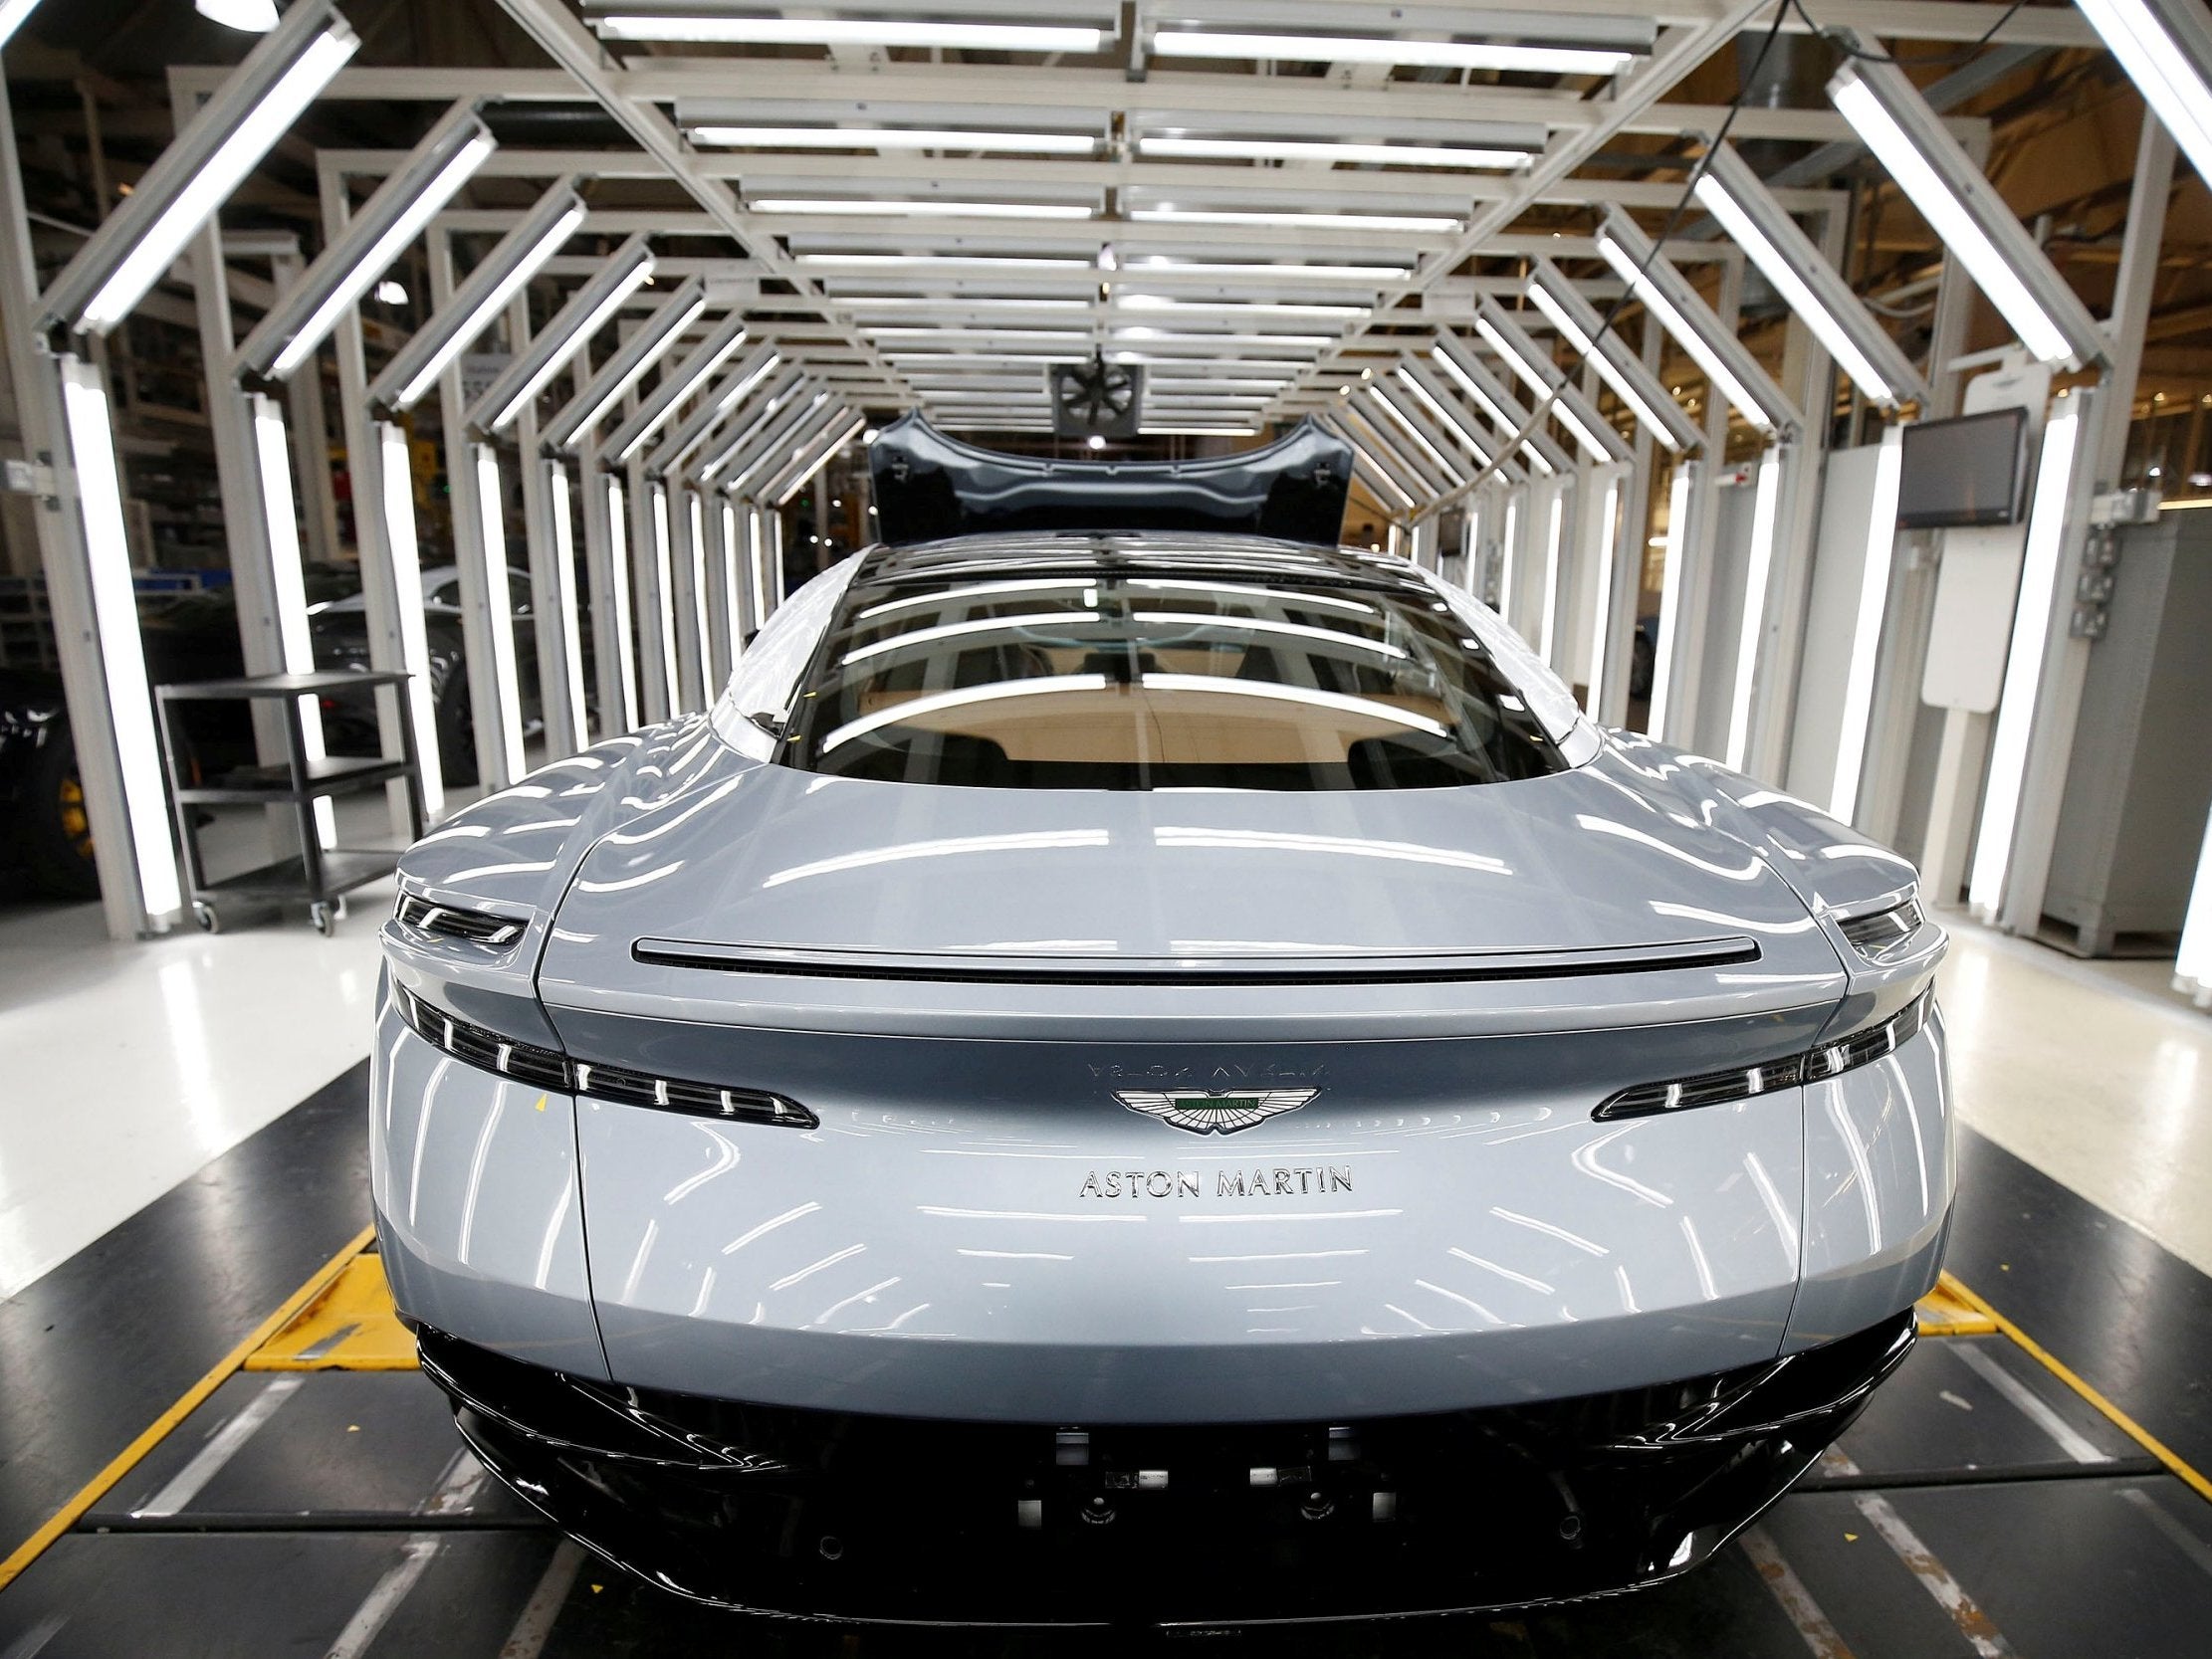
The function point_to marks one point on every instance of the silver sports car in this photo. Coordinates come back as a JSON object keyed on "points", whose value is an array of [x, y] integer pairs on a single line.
{"points": [[1152, 1077]]}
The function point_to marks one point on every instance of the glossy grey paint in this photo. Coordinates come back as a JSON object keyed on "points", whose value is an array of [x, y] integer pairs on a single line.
{"points": [[910, 1255]]}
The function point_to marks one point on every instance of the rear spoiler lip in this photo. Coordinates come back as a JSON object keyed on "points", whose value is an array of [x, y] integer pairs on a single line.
{"points": [[1354, 968]]}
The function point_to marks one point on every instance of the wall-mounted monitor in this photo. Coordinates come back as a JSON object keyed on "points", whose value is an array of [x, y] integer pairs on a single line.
{"points": [[1969, 471]]}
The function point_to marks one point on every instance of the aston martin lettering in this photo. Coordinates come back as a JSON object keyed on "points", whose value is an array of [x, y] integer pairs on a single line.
{"points": [[1306, 1180], [1213, 1110], [1262, 1073]]}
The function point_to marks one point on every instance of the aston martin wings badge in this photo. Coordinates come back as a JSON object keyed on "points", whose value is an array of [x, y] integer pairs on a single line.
{"points": [[1204, 1112]]}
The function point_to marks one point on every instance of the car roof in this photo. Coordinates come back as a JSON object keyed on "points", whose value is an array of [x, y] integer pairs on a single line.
{"points": [[1111, 553]]}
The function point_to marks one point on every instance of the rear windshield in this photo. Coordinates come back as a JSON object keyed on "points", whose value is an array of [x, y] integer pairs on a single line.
{"points": [[1160, 681]]}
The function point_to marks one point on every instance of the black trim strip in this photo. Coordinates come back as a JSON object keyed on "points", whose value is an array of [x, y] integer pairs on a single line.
{"points": [[1382, 971]]}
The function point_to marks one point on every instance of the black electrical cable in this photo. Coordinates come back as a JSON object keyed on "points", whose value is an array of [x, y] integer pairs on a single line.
{"points": [[1935, 59], [1674, 219]]}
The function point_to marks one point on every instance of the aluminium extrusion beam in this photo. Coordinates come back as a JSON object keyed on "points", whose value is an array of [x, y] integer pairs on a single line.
{"points": [[1512, 414], [1470, 426], [553, 576], [576, 50], [751, 466], [675, 384], [652, 609], [679, 443], [1565, 394], [745, 424], [66, 557], [1372, 470], [686, 598], [1436, 444], [1390, 448], [596, 394], [815, 451]]}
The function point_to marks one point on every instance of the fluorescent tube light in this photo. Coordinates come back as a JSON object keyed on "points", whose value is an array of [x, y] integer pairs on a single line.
{"points": [[1497, 404], [716, 135], [1632, 384], [954, 264], [305, 314], [702, 28], [1601, 624], [1811, 287], [707, 359], [1866, 630], [654, 341], [1508, 551], [138, 243], [480, 300], [396, 498], [588, 310], [2192, 967], [618, 572], [1674, 549], [498, 609], [1442, 463], [2166, 47], [663, 576], [2063, 436], [288, 580], [884, 205], [1683, 313], [733, 576], [1445, 414], [1503, 335], [1554, 532], [1967, 215], [13, 15], [699, 623], [827, 446], [564, 587], [1367, 48], [87, 414], [1415, 224], [1766, 503], [1333, 149]]}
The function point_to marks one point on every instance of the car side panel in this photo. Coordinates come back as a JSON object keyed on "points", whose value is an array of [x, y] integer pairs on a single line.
{"points": [[1880, 1175], [479, 1216]]}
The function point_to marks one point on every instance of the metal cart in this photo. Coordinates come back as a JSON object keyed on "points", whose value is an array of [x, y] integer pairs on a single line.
{"points": [[321, 876]]}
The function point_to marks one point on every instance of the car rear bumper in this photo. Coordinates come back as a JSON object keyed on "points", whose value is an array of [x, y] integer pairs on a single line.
{"points": [[873, 1519]]}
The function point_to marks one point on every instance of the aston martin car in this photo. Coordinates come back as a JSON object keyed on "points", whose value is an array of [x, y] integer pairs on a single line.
{"points": [[1153, 1076]]}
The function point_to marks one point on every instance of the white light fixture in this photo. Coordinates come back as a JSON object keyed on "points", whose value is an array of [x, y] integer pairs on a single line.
{"points": [[303, 316], [664, 564], [138, 243], [254, 16], [564, 588], [1431, 35], [755, 464], [1284, 271], [1866, 630], [1683, 313], [90, 420], [1412, 224], [13, 15], [1601, 624], [721, 135], [1508, 550], [480, 300], [654, 341], [1674, 549], [1809, 285], [1766, 505], [728, 446], [588, 310], [2165, 46], [1634, 384], [1451, 470], [2063, 438], [923, 208], [947, 263], [1414, 377], [288, 581], [1503, 335], [618, 559], [396, 496], [499, 607], [732, 577], [706, 358], [695, 428], [1125, 301], [1967, 215], [821, 449], [1488, 394], [1335, 150], [391, 291], [639, 20], [1555, 530], [699, 626], [2193, 965]]}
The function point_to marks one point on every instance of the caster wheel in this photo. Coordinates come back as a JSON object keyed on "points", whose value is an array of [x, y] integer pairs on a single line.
{"points": [[206, 916], [324, 917]]}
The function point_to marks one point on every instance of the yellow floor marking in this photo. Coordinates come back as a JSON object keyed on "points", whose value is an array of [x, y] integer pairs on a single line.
{"points": [[351, 1326], [127, 1459], [2128, 1425], [1947, 1311]]}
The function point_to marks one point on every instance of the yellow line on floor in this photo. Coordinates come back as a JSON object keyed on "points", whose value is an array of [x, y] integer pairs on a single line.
{"points": [[351, 1326], [2128, 1425], [130, 1456], [1945, 1312]]}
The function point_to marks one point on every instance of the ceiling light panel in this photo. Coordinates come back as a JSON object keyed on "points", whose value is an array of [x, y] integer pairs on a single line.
{"points": [[867, 124], [960, 25], [1440, 37]]}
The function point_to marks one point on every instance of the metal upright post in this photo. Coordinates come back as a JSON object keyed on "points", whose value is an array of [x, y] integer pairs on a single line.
{"points": [[681, 574], [656, 620], [551, 590], [303, 400], [482, 591], [67, 559], [396, 722], [2104, 448], [1692, 640]]}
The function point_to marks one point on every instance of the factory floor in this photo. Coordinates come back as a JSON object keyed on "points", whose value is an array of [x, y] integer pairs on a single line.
{"points": [[183, 1208]]}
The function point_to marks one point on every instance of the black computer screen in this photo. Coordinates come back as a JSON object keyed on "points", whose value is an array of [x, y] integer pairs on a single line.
{"points": [[1969, 471]]}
